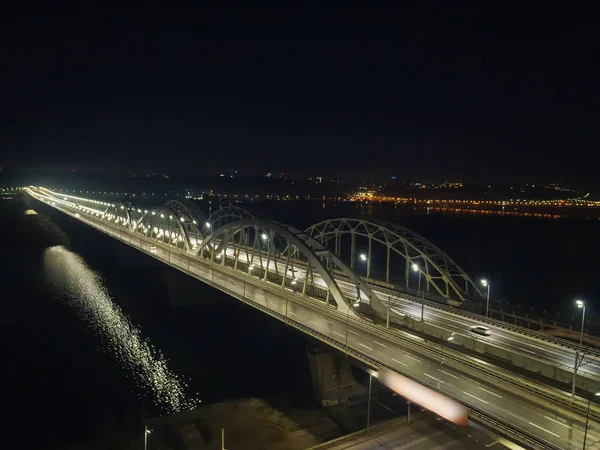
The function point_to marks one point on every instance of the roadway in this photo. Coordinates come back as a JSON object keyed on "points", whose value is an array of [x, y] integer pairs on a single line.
{"points": [[529, 346], [423, 433], [551, 424]]}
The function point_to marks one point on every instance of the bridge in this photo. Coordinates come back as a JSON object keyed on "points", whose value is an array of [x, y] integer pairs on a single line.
{"points": [[533, 388]]}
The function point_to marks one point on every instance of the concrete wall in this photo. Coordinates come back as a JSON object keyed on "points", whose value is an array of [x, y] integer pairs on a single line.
{"points": [[332, 378]]}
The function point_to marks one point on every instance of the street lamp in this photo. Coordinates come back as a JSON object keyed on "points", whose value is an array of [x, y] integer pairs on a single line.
{"points": [[416, 268], [367, 259], [587, 417], [581, 304], [485, 283], [147, 431], [449, 339]]}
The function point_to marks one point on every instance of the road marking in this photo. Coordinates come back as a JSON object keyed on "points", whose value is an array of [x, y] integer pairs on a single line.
{"points": [[379, 343], [363, 345], [353, 332], [292, 313], [400, 362], [489, 392], [412, 357], [329, 322], [340, 334], [477, 398], [449, 374], [314, 323], [431, 376], [556, 421], [547, 431], [525, 350]]}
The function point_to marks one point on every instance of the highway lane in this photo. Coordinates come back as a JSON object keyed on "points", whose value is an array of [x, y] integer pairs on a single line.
{"points": [[562, 430], [424, 433], [405, 305]]}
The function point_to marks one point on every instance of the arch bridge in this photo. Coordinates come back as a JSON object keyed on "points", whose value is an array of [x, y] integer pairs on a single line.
{"points": [[309, 280]]}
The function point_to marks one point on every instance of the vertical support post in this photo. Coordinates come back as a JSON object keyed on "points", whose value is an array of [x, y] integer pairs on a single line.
{"points": [[387, 266], [237, 252], [352, 250], [369, 261], [269, 246], [575, 369], [287, 264], [587, 421], [308, 270], [440, 369], [222, 438], [369, 404]]}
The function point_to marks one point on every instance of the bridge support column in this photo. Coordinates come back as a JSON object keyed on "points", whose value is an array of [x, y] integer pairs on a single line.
{"points": [[332, 379]]}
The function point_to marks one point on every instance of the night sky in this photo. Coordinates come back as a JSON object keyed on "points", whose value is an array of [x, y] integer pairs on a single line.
{"points": [[417, 92]]}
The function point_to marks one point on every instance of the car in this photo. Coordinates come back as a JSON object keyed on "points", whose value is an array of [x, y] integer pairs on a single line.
{"points": [[481, 330], [153, 249]]}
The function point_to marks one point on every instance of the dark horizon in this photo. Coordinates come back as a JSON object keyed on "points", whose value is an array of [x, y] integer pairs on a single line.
{"points": [[481, 94]]}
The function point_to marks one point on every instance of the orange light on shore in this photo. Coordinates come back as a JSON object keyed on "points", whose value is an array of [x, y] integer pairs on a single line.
{"points": [[428, 398]]}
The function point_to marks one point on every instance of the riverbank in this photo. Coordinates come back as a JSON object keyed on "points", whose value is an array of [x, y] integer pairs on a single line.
{"points": [[250, 424]]}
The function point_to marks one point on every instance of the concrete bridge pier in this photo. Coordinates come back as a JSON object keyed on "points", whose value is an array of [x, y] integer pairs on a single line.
{"points": [[332, 378]]}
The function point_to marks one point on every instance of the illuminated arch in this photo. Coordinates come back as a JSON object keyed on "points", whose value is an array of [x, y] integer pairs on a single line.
{"points": [[317, 256], [226, 215], [440, 271], [122, 211], [163, 218], [191, 217]]}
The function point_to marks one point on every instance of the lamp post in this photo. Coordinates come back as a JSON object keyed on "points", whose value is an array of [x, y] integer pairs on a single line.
{"points": [[369, 404], [587, 417], [450, 339], [485, 283], [146, 433], [367, 259], [416, 268], [581, 304]]}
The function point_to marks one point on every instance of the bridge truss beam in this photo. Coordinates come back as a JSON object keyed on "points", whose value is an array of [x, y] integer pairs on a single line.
{"points": [[440, 272]]}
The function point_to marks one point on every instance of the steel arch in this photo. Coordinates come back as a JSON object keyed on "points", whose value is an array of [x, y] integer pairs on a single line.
{"points": [[192, 216], [439, 269], [125, 210], [154, 217], [226, 215], [306, 246]]}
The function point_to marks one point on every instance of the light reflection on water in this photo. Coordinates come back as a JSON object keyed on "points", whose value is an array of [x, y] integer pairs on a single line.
{"points": [[86, 294]]}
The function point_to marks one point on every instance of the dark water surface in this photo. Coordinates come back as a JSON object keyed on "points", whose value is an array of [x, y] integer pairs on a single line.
{"points": [[90, 342]]}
